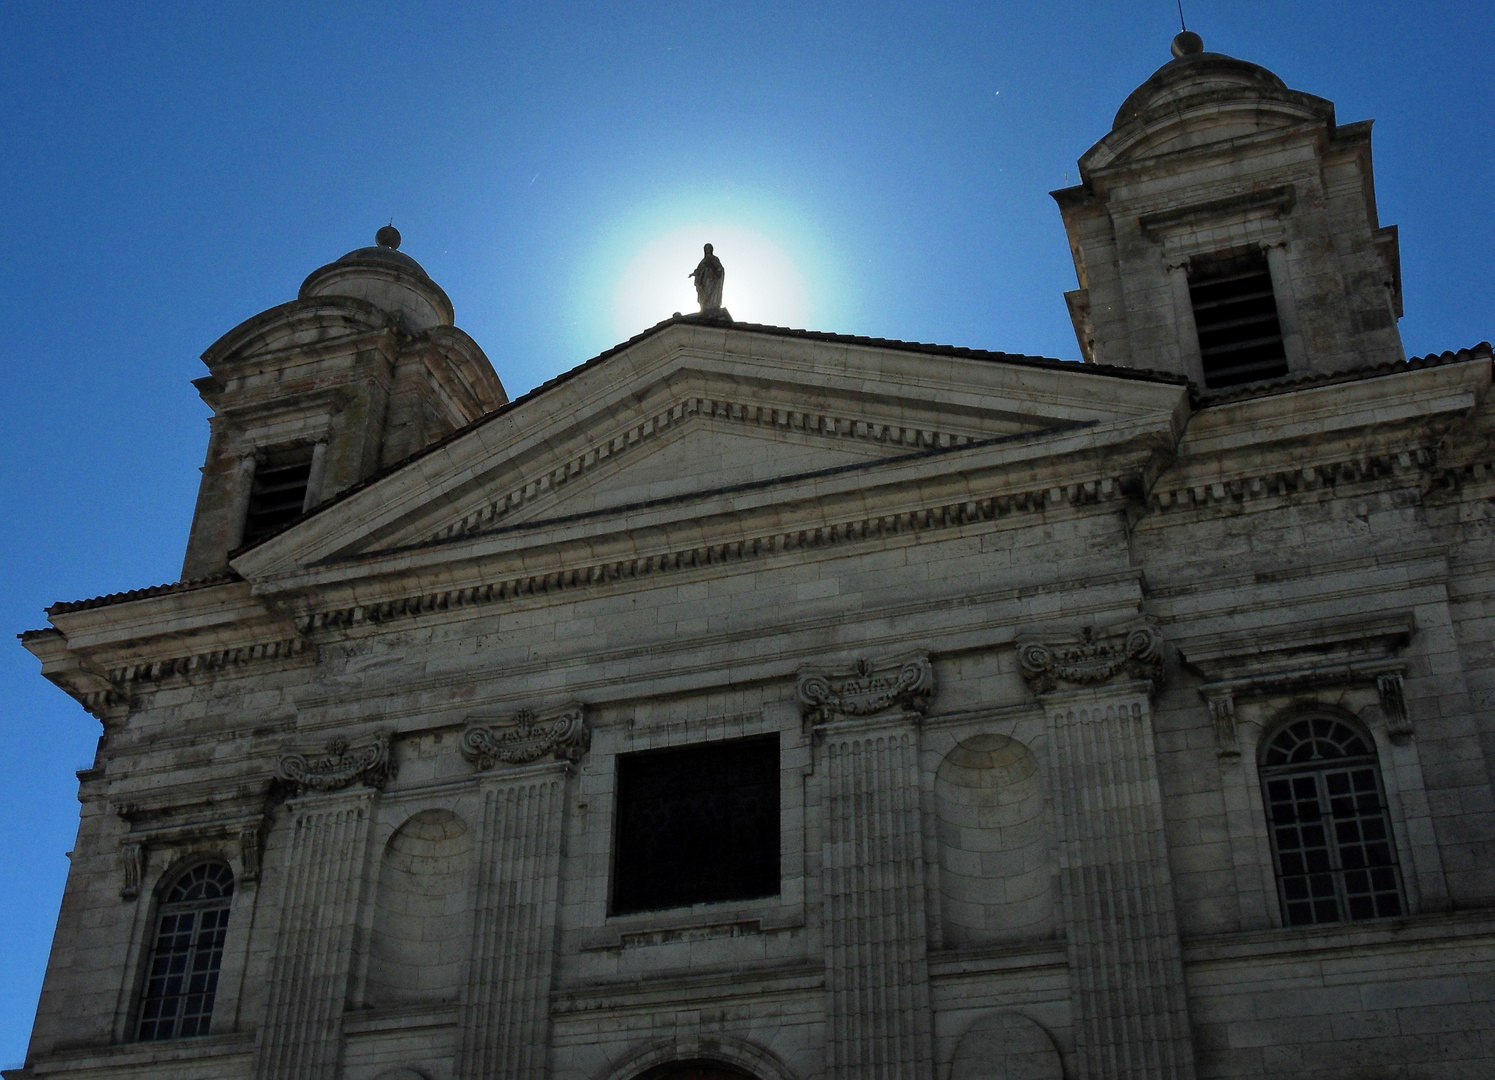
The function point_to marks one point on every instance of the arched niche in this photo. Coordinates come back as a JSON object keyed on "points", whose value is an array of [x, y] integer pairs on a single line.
{"points": [[422, 934], [1006, 1046], [730, 1058], [996, 873]]}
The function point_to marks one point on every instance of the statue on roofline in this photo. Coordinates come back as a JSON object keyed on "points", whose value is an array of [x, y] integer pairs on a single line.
{"points": [[709, 275]]}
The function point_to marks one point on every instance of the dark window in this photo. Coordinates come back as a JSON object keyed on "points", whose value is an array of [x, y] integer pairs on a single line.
{"points": [[1235, 313], [697, 825], [183, 974], [278, 492], [696, 1070], [1331, 838]]}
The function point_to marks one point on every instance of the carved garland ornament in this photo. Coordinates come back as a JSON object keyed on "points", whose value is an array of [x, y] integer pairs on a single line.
{"points": [[565, 737], [338, 765], [1089, 662], [868, 689]]}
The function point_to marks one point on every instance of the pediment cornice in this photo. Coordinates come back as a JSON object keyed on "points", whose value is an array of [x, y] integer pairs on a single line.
{"points": [[1019, 473], [588, 565], [871, 402]]}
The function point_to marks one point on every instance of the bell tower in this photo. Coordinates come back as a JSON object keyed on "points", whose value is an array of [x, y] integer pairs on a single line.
{"points": [[361, 370], [1226, 230]]}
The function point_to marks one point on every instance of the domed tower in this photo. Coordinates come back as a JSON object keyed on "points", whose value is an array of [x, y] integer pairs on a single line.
{"points": [[1226, 230], [363, 369]]}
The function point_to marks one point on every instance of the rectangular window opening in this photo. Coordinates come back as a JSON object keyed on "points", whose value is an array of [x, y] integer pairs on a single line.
{"points": [[1235, 312], [697, 825], [278, 493]]}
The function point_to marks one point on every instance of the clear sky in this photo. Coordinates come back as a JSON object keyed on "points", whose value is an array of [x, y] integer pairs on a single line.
{"points": [[169, 170]]}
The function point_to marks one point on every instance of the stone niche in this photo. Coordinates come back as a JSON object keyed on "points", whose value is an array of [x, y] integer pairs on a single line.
{"points": [[996, 864], [422, 933]]}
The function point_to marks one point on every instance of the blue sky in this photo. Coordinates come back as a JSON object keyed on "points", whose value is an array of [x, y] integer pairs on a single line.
{"points": [[167, 171]]}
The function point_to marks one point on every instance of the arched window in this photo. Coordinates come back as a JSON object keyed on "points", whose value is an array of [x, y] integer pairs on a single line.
{"points": [[183, 973], [1331, 838]]}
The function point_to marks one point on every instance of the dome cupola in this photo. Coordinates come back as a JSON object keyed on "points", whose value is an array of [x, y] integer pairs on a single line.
{"points": [[1226, 230], [389, 279]]}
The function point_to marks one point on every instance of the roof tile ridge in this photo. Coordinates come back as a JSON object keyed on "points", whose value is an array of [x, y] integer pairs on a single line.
{"points": [[64, 607], [1306, 379]]}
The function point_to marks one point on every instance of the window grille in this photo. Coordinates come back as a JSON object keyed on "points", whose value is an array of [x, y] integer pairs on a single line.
{"points": [[1331, 838], [1235, 312], [278, 491], [697, 824], [183, 974]]}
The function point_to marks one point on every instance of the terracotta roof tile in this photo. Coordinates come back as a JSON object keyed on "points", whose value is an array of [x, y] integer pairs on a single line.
{"points": [[1288, 383], [64, 607]]}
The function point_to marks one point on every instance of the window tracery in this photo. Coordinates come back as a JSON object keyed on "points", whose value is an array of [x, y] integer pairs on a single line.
{"points": [[181, 979], [1331, 836]]}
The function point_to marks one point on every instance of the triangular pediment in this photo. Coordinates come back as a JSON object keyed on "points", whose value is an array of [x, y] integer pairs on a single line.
{"points": [[682, 419], [696, 454]]}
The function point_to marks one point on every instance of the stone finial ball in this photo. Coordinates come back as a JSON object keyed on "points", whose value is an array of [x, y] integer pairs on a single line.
{"points": [[1187, 43], [388, 237]]}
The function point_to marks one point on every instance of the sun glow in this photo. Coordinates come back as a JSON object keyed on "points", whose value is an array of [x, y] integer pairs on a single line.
{"points": [[763, 284]]}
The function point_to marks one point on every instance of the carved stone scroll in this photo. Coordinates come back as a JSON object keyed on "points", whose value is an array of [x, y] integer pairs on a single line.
{"points": [[869, 689], [249, 852], [338, 765], [1394, 705], [132, 867], [1222, 716], [524, 739], [1121, 927], [878, 1021], [1138, 653]]}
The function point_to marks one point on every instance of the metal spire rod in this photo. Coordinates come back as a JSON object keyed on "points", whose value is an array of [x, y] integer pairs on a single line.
{"points": [[1181, 24]]}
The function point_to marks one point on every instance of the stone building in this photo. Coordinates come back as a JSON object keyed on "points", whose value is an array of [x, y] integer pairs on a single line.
{"points": [[752, 702]]}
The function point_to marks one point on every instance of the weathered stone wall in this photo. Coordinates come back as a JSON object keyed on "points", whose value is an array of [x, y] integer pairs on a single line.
{"points": [[713, 654]]}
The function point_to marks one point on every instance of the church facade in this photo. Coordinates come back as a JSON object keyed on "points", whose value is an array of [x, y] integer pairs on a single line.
{"points": [[760, 703]]}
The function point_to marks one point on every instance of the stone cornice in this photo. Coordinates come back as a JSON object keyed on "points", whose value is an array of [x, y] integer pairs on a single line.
{"points": [[1257, 649], [283, 653], [1409, 466], [861, 529], [546, 429]]}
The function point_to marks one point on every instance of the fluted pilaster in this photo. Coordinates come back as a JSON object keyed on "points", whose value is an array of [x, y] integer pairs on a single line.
{"points": [[506, 1012], [877, 977], [301, 1038], [1131, 1013]]}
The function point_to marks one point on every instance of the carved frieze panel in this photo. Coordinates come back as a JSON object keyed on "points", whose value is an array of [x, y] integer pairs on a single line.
{"points": [[337, 765], [869, 688], [524, 738], [1135, 653]]}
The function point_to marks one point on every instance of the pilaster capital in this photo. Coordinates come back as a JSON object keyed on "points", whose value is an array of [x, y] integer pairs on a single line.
{"points": [[868, 691], [1133, 652], [524, 737], [338, 764]]}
